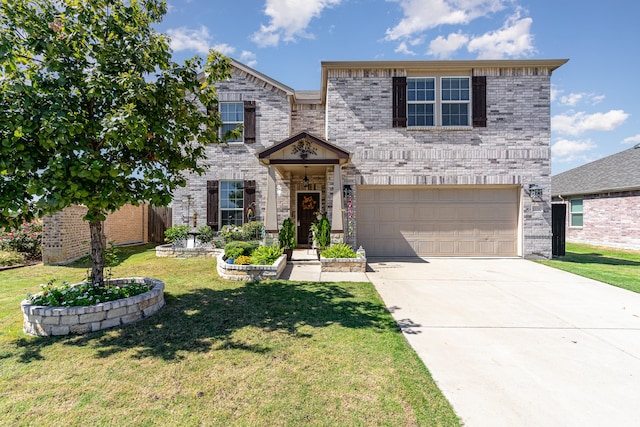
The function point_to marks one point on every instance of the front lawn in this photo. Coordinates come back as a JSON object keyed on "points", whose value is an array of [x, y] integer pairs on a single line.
{"points": [[617, 267], [273, 353]]}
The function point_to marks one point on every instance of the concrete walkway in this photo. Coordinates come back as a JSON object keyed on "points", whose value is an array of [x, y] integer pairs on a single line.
{"points": [[305, 267], [515, 343]]}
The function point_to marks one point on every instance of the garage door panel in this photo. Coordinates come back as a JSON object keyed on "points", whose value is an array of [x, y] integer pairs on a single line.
{"points": [[403, 221]]}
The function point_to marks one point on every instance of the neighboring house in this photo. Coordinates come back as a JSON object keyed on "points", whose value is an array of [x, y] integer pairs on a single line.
{"points": [[428, 158], [602, 200]]}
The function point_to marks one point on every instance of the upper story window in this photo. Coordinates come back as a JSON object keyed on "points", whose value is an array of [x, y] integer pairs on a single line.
{"points": [[232, 116], [575, 210], [438, 101]]}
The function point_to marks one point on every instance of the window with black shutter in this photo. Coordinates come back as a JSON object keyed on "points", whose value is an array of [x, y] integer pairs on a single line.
{"points": [[479, 108], [399, 102], [249, 122], [212, 204]]}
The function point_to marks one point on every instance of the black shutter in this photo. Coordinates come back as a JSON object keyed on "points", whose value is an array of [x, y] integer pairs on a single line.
{"points": [[249, 122], [249, 199], [479, 108], [399, 102], [212, 204], [212, 109]]}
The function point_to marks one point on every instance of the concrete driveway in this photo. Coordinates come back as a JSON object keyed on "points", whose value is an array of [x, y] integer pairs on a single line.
{"points": [[515, 343]]}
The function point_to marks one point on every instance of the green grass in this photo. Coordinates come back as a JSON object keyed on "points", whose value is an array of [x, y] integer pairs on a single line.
{"points": [[617, 267], [274, 353]]}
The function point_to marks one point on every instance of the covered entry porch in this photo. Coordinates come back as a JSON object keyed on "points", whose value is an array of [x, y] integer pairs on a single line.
{"points": [[304, 181]]}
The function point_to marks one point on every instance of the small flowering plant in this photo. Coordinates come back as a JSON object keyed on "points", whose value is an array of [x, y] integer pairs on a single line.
{"points": [[85, 293]]}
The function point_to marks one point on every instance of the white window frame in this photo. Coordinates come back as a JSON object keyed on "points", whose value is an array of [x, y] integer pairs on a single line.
{"points": [[221, 210], [231, 122], [438, 103], [571, 213]]}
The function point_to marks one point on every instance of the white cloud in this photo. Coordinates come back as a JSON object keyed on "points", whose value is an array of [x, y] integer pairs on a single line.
{"points": [[248, 58], [422, 15], [555, 93], [188, 39], [444, 47], [632, 139], [567, 151], [574, 99], [582, 122], [514, 39], [289, 19], [403, 48], [224, 48]]}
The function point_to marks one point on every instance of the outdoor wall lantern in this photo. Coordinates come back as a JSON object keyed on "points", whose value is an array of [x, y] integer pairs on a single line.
{"points": [[305, 180], [535, 191], [346, 190]]}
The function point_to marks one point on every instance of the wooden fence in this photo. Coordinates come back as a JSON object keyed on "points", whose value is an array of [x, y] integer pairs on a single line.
{"points": [[159, 221]]}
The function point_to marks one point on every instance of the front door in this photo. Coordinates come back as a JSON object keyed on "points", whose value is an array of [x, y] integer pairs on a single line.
{"points": [[308, 205]]}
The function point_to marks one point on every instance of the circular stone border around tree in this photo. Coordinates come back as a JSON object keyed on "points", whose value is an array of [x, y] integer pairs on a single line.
{"points": [[48, 321]]}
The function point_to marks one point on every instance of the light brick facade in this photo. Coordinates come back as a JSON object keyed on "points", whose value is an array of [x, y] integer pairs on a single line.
{"points": [[354, 112], [609, 219]]}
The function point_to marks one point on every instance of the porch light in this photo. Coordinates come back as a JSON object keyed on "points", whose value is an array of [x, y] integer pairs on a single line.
{"points": [[305, 180], [535, 191]]}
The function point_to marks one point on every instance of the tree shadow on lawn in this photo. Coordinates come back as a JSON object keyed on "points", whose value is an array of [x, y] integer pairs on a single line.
{"points": [[595, 258], [206, 319]]}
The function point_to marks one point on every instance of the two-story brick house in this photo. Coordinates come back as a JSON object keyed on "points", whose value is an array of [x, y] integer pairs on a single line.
{"points": [[428, 158]]}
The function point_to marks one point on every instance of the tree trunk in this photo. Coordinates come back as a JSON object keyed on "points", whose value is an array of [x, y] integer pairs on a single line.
{"points": [[97, 252]]}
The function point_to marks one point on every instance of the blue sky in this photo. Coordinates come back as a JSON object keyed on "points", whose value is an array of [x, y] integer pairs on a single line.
{"points": [[595, 97]]}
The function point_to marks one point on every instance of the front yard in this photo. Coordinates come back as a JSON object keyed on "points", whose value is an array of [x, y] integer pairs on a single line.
{"points": [[617, 267], [273, 353]]}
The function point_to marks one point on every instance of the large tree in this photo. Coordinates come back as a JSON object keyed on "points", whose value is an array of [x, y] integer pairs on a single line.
{"points": [[94, 112]]}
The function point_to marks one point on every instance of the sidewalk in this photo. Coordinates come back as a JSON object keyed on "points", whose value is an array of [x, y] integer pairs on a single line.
{"points": [[305, 267]]}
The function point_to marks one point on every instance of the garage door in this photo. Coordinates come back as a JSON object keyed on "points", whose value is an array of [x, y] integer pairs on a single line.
{"points": [[447, 221]]}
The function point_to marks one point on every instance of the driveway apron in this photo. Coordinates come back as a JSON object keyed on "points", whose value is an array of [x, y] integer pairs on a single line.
{"points": [[514, 343]]}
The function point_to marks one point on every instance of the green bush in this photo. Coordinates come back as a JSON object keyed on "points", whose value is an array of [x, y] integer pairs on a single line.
{"points": [[236, 249], [10, 258], [231, 233], [323, 233], [242, 260], [341, 250], [287, 234], [176, 233], [27, 239], [252, 230], [247, 232], [207, 234], [266, 255]]}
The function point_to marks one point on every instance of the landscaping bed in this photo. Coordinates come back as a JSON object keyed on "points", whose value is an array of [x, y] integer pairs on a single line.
{"points": [[250, 273]]}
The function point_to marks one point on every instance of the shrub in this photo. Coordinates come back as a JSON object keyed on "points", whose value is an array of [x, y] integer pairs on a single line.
{"points": [[287, 234], [176, 233], [207, 234], [10, 258], [249, 231], [231, 233], [252, 230], [236, 249], [84, 294], [322, 231], [341, 250], [26, 240], [266, 255], [242, 260]]}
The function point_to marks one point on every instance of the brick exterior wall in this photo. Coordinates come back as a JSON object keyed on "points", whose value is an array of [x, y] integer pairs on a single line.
{"points": [[610, 219], [514, 148], [66, 235]]}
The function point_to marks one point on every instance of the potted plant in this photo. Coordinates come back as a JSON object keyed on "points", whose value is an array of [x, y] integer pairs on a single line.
{"points": [[321, 234], [287, 237]]}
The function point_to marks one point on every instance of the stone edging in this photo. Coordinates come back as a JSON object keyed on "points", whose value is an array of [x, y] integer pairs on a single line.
{"points": [[250, 273], [46, 321], [168, 251], [358, 264]]}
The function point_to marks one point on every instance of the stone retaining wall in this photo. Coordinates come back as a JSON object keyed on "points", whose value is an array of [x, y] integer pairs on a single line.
{"points": [[344, 265], [250, 273], [168, 251], [46, 321]]}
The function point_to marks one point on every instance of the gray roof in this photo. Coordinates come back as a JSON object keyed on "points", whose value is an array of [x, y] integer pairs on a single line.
{"points": [[618, 172]]}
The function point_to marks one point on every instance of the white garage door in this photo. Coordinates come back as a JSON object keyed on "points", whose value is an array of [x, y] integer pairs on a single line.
{"points": [[446, 221]]}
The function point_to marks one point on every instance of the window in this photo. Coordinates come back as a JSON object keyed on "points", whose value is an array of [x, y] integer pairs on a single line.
{"points": [[421, 100], [455, 101], [438, 101], [231, 202], [232, 116], [575, 209]]}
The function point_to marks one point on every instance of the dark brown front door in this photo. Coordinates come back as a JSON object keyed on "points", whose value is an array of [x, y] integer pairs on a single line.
{"points": [[308, 205]]}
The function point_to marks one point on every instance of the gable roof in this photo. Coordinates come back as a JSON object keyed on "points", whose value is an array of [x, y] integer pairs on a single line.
{"points": [[618, 172], [338, 152]]}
